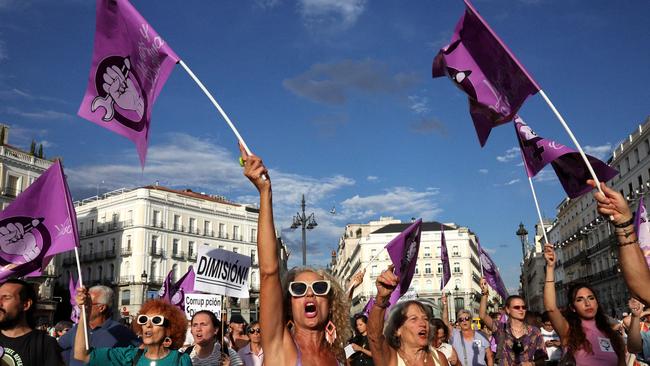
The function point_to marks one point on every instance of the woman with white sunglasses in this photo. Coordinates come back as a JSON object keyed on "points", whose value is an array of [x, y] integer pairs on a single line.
{"points": [[304, 321], [162, 327]]}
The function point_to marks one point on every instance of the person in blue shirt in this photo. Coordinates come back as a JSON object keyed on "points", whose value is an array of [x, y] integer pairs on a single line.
{"points": [[104, 332], [162, 327]]}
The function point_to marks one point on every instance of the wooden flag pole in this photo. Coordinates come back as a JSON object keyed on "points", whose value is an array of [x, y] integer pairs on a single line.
{"points": [[573, 138], [83, 310]]}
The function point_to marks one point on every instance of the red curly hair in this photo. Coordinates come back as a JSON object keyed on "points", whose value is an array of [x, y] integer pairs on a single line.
{"points": [[177, 322]]}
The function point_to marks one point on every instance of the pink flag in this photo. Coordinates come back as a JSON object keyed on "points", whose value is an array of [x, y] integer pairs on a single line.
{"points": [[40, 223], [481, 65], [130, 65], [444, 258], [643, 230], [403, 252], [72, 287]]}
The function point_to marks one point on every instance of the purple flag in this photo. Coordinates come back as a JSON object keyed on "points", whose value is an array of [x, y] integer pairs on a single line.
{"points": [[403, 252], [643, 230], [481, 65], [491, 274], [40, 223], [72, 287], [569, 166], [369, 305], [174, 293], [130, 65], [444, 258]]}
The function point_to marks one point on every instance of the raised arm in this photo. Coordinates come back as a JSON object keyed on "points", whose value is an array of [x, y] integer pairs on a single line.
{"points": [[632, 262], [550, 302], [382, 353], [272, 320], [634, 341], [482, 310], [355, 281], [445, 312], [79, 351]]}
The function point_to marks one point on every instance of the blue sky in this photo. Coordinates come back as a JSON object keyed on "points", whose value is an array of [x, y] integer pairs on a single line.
{"points": [[337, 97]]}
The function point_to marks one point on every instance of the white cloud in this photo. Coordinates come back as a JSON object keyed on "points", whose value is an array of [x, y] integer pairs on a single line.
{"points": [[340, 14], [546, 175], [395, 201], [508, 183], [602, 152], [47, 114], [372, 178], [509, 155], [483, 171], [418, 104], [15, 93]]}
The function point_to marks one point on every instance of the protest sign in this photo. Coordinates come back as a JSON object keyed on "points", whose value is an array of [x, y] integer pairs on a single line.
{"points": [[196, 302], [222, 272]]}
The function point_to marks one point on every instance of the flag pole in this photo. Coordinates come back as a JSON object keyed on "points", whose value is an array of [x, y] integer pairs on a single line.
{"points": [[216, 104], [83, 311], [573, 138], [539, 213]]}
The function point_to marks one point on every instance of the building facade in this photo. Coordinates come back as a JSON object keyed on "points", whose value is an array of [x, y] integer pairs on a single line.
{"points": [[130, 239], [586, 239], [362, 246], [533, 269], [18, 170]]}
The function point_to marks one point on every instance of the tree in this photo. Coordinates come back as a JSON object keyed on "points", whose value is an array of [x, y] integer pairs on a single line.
{"points": [[32, 148], [40, 151]]}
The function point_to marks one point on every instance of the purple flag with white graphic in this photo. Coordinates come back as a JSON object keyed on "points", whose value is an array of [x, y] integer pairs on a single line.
{"points": [[130, 65], [444, 258], [643, 230], [40, 223], [369, 305], [492, 276], [568, 164], [72, 287], [174, 293], [403, 252], [481, 65]]}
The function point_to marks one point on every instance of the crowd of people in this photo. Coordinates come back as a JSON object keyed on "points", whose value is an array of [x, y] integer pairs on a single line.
{"points": [[304, 319]]}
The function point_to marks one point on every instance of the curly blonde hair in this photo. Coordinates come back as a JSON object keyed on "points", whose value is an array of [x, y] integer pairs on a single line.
{"points": [[338, 304], [176, 327]]}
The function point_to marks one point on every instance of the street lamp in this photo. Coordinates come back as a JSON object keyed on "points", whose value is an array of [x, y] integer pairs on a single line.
{"points": [[143, 277], [306, 223], [523, 236]]}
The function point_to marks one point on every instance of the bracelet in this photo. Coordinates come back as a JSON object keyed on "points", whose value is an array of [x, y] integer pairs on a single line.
{"points": [[623, 232], [550, 281], [627, 243], [624, 224], [383, 305], [485, 293]]}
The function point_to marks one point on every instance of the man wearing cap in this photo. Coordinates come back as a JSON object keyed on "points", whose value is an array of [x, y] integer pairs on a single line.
{"points": [[237, 334]]}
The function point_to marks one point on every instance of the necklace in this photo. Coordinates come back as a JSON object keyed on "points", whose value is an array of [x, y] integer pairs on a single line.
{"points": [[413, 360]]}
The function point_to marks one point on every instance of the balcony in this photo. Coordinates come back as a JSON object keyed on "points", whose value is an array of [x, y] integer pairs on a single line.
{"points": [[178, 227], [98, 256], [222, 235], [158, 224], [156, 280], [208, 233], [126, 280], [193, 230], [191, 257], [127, 223], [87, 257], [110, 253], [178, 255], [126, 251], [89, 231], [10, 191], [156, 252]]}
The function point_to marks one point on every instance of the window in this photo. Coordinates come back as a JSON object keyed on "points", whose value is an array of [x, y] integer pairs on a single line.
{"points": [[128, 242], [113, 245], [417, 269], [175, 246], [456, 267], [222, 230], [640, 178], [254, 256], [156, 219], [126, 297], [175, 272], [221, 246], [427, 252], [89, 274], [177, 223], [154, 244], [13, 186], [439, 268], [207, 228], [100, 273], [374, 271], [112, 272], [253, 235], [190, 249], [427, 268], [454, 250], [459, 303], [235, 233], [235, 250]]}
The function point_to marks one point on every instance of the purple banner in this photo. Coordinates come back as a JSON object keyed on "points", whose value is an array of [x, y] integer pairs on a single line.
{"points": [[492, 276], [481, 65], [174, 293], [568, 164], [444, 258], [130, 65], [403, 252], [643, 230], [40, 223]]}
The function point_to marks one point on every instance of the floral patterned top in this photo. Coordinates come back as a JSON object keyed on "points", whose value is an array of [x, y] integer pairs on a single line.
{"points": [[513, 351]]}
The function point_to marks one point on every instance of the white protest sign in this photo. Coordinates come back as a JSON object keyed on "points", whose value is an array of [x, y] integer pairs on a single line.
{"points": [[196, 302], [222, 272]]}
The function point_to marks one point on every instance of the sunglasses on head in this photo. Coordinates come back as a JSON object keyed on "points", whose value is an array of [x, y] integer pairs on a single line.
{"points": [[519, 307], [158, 320], [299, 288], [254, 331]]}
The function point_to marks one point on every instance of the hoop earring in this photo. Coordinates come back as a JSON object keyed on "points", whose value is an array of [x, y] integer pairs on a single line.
{"points": [[290, 324], [167, 342], [330, 333]]}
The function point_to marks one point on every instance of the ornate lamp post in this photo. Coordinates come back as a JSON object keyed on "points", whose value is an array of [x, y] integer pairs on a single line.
{"points": [[523, 236], [143, 277], [305, 223]]}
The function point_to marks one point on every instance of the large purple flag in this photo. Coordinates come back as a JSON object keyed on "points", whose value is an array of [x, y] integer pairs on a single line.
{"points": [[403, 252], [40, 223], [72, 288], [569, 166], [369, 305], [491, 274], [444, 258], [174, 293], [130, 65], [643, 230], [481, 65]]}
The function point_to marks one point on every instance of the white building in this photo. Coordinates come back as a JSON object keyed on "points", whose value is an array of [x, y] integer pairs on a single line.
{"points": [[131, 238], [18, 170], [362, 246], [533, 272], [587, 240]]}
